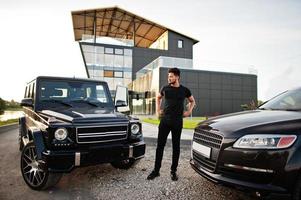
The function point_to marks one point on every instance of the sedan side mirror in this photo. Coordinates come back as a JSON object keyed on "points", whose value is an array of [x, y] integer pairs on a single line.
{"points": [[27, 102]]}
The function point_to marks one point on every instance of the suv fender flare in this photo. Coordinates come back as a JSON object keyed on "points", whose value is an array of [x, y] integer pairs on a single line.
{"points": [[22, 124], [38, 140]]}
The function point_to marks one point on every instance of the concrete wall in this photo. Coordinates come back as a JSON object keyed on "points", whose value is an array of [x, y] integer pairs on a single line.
{"points": [[216, 92]]}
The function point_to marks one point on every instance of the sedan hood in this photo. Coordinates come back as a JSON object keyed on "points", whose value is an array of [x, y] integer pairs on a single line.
{"points": [[255, 121], [80, 115]]}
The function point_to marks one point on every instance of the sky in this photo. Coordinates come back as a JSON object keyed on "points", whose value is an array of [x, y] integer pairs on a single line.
{"points": [[242, 36]]}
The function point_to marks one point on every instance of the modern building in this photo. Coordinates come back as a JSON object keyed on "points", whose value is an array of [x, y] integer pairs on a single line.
{"points": [[123, 48]]}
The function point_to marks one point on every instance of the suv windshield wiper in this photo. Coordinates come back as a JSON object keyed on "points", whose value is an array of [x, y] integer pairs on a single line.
{"points": [[57, 101]]}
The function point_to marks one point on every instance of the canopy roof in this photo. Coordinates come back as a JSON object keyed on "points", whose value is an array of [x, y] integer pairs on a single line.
{"points": [[117, 23]]}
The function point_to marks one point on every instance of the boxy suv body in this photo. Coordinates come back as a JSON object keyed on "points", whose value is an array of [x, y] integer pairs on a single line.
{"points": [[70, 123]]}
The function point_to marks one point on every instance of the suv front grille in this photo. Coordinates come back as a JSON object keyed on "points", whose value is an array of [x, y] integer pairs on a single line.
{"points": [[101, 133], [210, 139]]}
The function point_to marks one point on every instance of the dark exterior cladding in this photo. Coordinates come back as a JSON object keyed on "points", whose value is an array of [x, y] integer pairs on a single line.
{"points": [[143, 56], [216, 92]]}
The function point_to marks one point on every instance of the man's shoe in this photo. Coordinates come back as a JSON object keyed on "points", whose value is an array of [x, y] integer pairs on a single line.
{"points": [[153, 175], [174, 176]]}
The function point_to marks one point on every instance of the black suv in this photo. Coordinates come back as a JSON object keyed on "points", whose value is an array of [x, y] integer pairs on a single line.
{"points": [[72, 122], [259, 150]]}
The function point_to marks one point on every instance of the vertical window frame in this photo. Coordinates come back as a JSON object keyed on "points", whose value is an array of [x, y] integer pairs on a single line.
{"points": [[180, 41]]}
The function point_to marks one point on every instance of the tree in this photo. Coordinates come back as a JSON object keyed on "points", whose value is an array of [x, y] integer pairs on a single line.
{"points": [[252, 105], [2, 106]]}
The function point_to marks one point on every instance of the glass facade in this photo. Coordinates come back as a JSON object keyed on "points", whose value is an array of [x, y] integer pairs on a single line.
{"points": [[107, 40], [113, 65], [147, 82], [147, 87], [164, 61]]}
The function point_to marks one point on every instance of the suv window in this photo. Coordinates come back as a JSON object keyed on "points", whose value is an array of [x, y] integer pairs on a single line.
{"points": [[25, 94], [72, 91], [33, 90], [29, 91]]}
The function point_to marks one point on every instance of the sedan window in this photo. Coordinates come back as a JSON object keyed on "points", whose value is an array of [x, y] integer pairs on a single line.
{"points": [[289, 100]]}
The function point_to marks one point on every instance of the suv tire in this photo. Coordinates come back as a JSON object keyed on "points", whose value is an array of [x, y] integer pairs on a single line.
{"points": [[124, 164], [34, 171]]}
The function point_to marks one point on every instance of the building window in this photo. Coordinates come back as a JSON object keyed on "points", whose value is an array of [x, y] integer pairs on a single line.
{"points": [[109, 50], [108, 73], [100, 50], [118, 74], [119, 51], [127, 52], [180, 44], [88, 48]]}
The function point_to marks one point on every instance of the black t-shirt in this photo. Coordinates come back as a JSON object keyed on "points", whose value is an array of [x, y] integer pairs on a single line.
{"points": [[174, 100]]}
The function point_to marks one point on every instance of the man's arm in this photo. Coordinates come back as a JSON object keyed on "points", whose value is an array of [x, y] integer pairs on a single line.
{"points": [[158, 104], [191, 105]]}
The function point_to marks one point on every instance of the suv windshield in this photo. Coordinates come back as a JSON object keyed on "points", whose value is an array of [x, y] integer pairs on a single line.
{"points": [[67, 93], [289, 100]]}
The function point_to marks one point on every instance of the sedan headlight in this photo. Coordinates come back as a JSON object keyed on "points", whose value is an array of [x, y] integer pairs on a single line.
{"points": [[61, 134], [265, 141], [135, 128]]}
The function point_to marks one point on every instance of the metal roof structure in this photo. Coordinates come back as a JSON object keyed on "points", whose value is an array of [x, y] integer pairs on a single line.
{"points": [[118, 23]]}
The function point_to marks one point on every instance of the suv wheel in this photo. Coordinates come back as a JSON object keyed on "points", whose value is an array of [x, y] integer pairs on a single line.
{"points": [[124, 164], [34, 171]]}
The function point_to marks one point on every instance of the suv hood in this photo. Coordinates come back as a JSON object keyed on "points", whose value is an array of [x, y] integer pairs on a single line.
{"points": [[80, 115], [255, 121]]}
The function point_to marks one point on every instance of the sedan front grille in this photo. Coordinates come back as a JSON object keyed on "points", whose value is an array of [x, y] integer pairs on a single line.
{"points": [[203, 161], [210, 139], [101, 133]]}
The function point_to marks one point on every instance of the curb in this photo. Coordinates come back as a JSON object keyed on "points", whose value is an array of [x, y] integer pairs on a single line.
{"points": [[8, 127], [154, 125], [153, 141]]}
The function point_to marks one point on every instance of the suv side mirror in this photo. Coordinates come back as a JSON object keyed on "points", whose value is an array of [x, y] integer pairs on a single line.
{"points": [[122, 99], [27, 102], [121, 96], [120, 103]]}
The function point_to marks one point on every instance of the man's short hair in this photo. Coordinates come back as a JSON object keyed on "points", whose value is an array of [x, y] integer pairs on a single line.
{"points": [[175, 71]]}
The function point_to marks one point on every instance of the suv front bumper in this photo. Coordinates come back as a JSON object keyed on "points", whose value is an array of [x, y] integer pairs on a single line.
{"points": [[67, 160]]}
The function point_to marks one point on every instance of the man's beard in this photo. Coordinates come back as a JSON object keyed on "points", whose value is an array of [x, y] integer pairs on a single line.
{"points": [[172, 82]]}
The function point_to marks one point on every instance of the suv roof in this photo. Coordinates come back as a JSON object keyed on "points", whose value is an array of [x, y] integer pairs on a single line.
{"points": [[66, 78]]}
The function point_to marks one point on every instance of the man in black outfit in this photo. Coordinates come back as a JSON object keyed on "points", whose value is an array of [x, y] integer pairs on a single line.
{"points": [[171, 120]]}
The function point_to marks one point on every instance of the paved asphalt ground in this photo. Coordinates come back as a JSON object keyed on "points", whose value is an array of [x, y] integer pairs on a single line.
{"points": [[105, 182]]}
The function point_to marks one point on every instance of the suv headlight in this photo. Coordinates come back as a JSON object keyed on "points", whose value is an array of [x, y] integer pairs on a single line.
{"points": [[61, 134], [265, 141], [135, 129]]}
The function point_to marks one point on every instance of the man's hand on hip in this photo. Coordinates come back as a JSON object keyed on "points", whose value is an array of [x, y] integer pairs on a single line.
{"points": [[186, 114], [159, 112]]}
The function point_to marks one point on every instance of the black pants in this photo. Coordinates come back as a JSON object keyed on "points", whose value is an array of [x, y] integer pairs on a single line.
{"points": [[166, 125]]}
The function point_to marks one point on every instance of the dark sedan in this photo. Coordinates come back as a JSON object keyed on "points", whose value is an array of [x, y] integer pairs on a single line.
{"points": [[257, 150]]}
